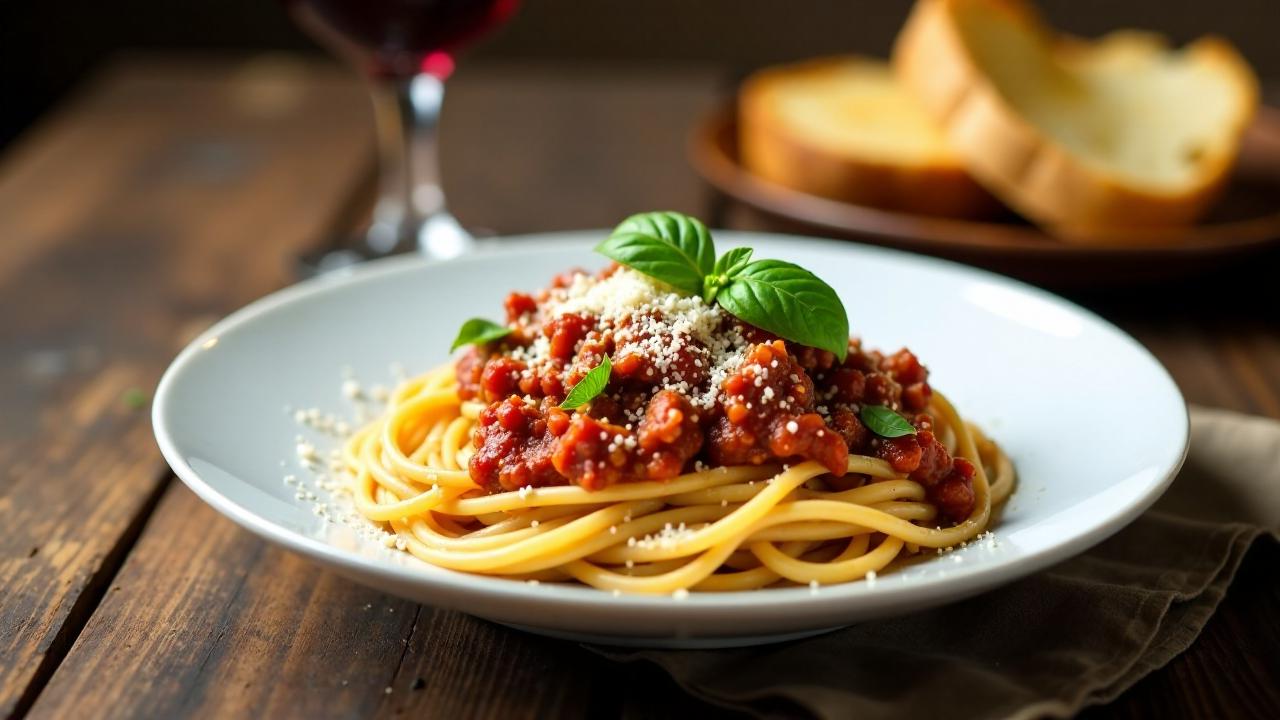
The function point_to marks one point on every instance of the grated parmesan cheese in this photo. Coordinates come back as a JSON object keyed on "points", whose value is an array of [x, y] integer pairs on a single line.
{"points": [[649, 319]]}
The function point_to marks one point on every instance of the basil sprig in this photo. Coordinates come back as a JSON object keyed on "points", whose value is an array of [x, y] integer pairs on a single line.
{"points": [[478, 331], [671, 247], [727, 267], [885, 422], [591, 385], [780, 297]]}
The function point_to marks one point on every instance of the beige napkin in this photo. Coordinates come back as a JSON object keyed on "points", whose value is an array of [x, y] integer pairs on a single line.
{"points": [[1077, 634]]}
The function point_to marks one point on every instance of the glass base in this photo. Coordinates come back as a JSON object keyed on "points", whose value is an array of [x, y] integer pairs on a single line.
{"points": [[439, 237]]}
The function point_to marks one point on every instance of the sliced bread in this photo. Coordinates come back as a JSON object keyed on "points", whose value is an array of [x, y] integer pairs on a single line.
{"points": [[841, 128], [1084, 137]]}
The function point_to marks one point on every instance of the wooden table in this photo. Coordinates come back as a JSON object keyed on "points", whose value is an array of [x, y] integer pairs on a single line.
{"points": [[166, 192]]}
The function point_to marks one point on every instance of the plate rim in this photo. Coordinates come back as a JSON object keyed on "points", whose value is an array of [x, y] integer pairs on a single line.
{"points": [[959, 582]]}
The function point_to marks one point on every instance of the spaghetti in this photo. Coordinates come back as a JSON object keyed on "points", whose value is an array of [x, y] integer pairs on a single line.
{"points": [[715, 529]]}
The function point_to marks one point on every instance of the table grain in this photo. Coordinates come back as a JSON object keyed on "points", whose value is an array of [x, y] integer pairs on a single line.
{"points": [[167, 191]]}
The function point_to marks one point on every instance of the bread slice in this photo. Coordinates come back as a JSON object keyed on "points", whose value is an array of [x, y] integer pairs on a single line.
{"points": [[1086, 138], [841, 128]]}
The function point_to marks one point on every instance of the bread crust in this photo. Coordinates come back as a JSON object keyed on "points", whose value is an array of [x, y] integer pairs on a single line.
{"points": [[772, 149], [1020, 163]]}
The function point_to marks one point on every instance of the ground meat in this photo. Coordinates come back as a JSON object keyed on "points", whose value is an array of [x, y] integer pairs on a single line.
{"points": [[594, 348], [954, 493], [850, 428], [906, 370], [514, 444], [544, 382], [593, 454], [807, 436], [753, 334], [935, 461], [915, 397], [680, 360], [853, 387], [812, 359], [768, 415], [565, 332], [501, 377], [869, 378], [902, 453], [469, 369], [904, 367], [730, 444], [920, 455], [948, 482], [518, 305], [669, 436], [604, 407]]}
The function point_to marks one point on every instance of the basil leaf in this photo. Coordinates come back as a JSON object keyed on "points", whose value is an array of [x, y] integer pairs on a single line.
{"points": [[885, 422], [591, 385], [667, 246], [478, 331], [732, 262], [726, 268], [789, 302]]}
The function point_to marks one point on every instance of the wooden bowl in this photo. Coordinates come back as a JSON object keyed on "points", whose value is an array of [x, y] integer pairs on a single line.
{"points": [[1245, 221]]}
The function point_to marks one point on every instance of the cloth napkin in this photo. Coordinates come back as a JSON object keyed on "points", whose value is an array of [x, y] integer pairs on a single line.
{"points": [[1078, 634]]}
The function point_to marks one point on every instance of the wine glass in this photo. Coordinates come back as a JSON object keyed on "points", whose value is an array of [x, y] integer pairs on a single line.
{"points": [[405, 49]]}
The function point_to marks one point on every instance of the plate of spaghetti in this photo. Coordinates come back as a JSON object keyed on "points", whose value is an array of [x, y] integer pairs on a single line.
{"points": [[652, 436]]}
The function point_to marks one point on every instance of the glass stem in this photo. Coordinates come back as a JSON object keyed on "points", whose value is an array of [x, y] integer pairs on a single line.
{"points": [[410, 198]]}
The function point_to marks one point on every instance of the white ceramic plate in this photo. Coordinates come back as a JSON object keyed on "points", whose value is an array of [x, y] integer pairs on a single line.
{"points": [[1057, 386]]}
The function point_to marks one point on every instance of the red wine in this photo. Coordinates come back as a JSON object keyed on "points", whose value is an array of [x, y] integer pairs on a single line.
{"points": [[401, 37]]}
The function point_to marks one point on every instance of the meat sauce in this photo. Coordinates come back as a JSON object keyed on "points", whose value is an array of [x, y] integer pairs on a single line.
{"points": [[667, 410]]}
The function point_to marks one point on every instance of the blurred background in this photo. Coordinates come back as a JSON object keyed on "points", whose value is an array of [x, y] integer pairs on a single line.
{"points": [[46, 48]]}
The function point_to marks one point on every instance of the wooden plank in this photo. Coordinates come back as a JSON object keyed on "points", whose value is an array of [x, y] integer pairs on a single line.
{"points": [[215, 622], [1229, 367], [460, 666], [1187, 351], [1243, 354], [205, 615], [265, 634], [170, 194]]}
